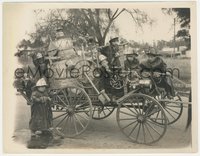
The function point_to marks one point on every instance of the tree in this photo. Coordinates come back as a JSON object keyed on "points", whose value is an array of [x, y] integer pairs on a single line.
{"points": [[87, 22], [183, 16]]}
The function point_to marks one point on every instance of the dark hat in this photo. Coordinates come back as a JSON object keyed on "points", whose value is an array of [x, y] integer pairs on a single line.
{"points": [[114, 39]]}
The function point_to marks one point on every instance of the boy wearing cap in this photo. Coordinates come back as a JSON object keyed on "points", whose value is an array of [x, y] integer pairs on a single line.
{"points": [[112, 52], [40, 62], [155, 64], [131, 61], [41, 116], [131, 64]]}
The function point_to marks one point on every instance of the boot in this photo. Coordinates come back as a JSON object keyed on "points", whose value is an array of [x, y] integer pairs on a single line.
{"points": [[36, 143]]}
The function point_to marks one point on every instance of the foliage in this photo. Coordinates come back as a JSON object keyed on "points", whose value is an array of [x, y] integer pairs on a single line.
{"points": [[183, 16], [76, 23]]}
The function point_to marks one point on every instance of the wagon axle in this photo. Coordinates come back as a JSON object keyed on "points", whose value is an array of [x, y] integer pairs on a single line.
{"points": [[141, 118]]}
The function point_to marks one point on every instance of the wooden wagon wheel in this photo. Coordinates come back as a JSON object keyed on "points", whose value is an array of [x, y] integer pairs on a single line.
{"points": [[99, 113], [72, 111], [134, 117], [88, 67], [172, 110]]}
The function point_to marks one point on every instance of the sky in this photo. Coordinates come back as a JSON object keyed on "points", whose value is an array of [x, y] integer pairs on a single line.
{"points": [[162, 28]]}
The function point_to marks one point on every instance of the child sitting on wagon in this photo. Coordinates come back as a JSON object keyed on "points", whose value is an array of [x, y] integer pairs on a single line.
{"points": [[131, 65]]}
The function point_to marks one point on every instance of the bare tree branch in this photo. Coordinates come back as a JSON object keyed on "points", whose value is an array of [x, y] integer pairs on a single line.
{"points": [[114, 13], [118, 14]]}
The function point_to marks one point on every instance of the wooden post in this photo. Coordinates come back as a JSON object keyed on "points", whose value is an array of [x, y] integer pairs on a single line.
{"points": [[174, 37]]}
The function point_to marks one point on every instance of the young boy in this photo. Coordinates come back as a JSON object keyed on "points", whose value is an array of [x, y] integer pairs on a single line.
{"points": [[154, 63], [131, 64], [41, 116]]}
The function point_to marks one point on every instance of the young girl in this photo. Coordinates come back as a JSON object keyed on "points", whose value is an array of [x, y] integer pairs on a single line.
{"points": [[41, 116]]}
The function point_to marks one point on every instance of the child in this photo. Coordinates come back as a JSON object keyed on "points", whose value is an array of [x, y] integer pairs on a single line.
{"points": [[41, 116], [131, 65], [131, 62]]}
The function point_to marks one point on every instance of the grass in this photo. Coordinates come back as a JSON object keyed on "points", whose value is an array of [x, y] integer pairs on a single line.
{"points": [[183, 65]]}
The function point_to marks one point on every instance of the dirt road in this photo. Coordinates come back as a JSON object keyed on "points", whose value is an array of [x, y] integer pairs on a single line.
{"points": [[104, 133]]}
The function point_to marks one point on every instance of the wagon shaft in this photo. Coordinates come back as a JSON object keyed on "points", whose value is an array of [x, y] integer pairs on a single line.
{"points": [[179, 102]]}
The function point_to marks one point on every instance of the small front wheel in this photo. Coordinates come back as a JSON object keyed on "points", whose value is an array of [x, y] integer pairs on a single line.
{"points": [[99, 113], [72, 111]]}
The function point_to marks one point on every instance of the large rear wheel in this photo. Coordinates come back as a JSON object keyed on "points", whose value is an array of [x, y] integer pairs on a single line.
{"points": [[134, 117]]}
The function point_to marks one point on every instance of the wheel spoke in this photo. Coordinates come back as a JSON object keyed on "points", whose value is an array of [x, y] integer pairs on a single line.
{"points": [[153, 112], [82, 117], [134, 106], [143, 104], [59, 116], [155, 119], [62, 120], [65, 96], [79, 98], [129, 124], [104, 112], [94, 111], [84, 104], [130, 109], [61, 100], [101, 113], [56, 104], [127, 113], [148, 109], [82, 107], [69, 125], [170, 113], [133, 129], [75, 125], [138, 132], [155, 123], [127, 119], [149, 132], [78, 120], [144, 133], [109, 109], [153, 128], [81, 111], [138, 106], [69, 95], [172, 110], [65, 123], [58, 111], [156, 116]]}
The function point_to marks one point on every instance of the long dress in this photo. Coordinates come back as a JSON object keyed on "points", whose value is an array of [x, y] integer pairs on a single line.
{"points": [[41, 113]]}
